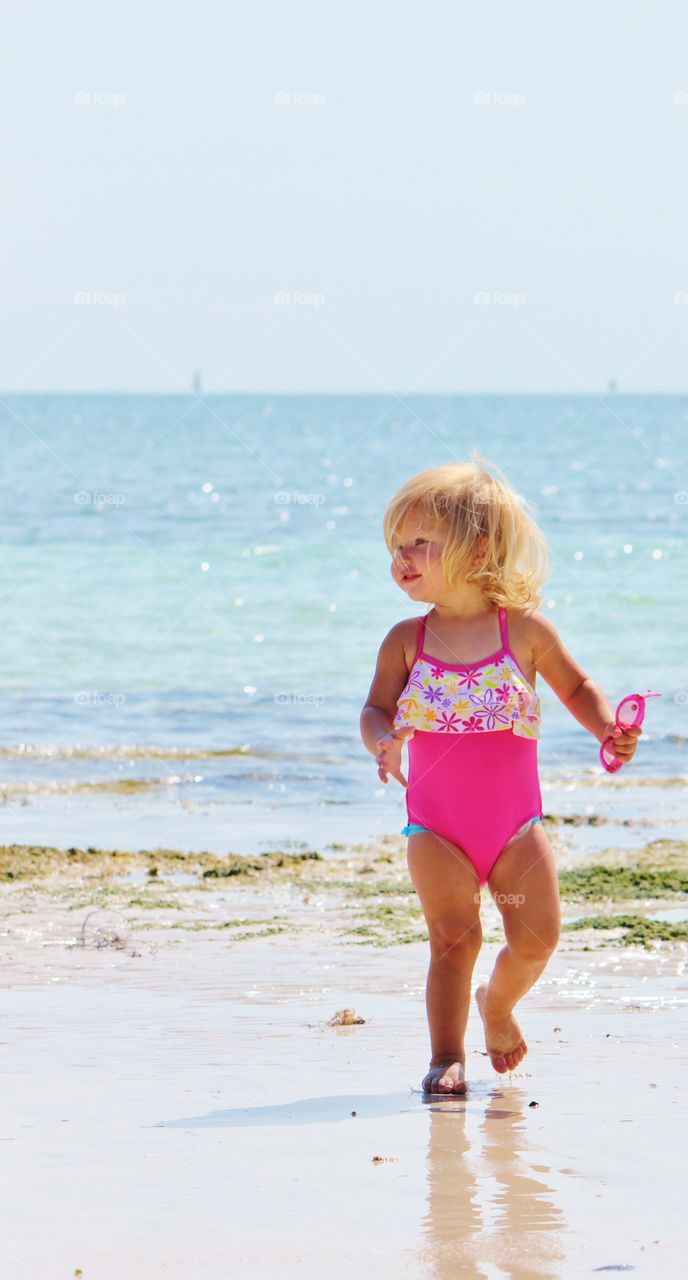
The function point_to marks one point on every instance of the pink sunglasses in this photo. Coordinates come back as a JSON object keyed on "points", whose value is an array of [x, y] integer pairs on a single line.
{"points": [[629, 714]]}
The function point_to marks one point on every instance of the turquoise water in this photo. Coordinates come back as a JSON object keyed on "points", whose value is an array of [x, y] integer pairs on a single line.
{"points": [[195, 591]]}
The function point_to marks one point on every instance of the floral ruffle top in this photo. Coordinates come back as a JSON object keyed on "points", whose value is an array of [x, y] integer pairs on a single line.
{"points": [[476, 698]]}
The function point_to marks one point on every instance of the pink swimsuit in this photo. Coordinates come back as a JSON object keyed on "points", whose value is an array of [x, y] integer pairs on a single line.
{"points": [[473, 775]]}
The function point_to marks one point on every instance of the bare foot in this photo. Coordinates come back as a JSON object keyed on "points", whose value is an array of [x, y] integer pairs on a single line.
{"points": [[503, 1039], [445, 1077]]}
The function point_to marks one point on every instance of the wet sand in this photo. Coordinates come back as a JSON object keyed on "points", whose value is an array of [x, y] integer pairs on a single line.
{"points": [[176, 1101]]}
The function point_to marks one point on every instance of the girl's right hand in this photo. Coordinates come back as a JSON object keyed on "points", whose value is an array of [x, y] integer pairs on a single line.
{"points": [[388, 759]]}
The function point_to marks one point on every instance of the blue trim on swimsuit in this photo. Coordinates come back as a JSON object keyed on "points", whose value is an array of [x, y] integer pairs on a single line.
{"points": [[412, 828]]}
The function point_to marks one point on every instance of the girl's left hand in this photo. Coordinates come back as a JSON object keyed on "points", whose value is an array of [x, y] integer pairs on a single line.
{"points": [[624, 741]]}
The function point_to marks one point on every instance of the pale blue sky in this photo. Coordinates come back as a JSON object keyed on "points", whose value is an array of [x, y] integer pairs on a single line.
{"points": [[531, 154]]}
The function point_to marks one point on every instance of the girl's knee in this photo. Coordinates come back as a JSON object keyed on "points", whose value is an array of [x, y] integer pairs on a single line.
{"points": [[533, 945], [453, 941]]}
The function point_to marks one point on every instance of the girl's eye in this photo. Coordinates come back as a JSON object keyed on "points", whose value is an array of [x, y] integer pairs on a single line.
{"points": [[399, 549]]}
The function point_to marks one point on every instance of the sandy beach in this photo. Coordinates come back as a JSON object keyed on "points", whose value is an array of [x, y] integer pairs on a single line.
{"points": [[343, 388], [178, 1099]]}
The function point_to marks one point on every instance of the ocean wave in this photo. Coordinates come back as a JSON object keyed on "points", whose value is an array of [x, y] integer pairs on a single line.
{"points": [[112, 786], [572, 781], [125, 751]]}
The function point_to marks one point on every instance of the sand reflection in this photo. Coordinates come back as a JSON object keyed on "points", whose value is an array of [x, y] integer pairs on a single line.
{"points": [[488, 1211]]}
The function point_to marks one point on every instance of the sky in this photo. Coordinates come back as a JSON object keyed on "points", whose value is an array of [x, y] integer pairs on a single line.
{"points": [[408, 197]]}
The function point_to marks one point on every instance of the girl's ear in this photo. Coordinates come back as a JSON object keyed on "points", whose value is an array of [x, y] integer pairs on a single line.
{"points": [[480, 549]]}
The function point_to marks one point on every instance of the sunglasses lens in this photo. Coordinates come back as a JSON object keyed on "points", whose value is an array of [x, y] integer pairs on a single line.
{"points": [[630, 712], [610, 760]]}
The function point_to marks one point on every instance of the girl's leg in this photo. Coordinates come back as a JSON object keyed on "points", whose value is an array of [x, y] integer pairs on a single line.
{"points": [[524, 885], [448, 887]]}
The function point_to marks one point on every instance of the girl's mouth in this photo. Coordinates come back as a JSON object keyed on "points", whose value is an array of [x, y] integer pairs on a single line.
{"points": [[411, 577]]}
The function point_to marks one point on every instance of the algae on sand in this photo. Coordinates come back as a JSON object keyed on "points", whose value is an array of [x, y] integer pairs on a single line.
{"points": [[637, 930], [600, 881]]}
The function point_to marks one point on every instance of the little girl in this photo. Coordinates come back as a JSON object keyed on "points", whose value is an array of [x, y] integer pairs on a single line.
{"points": [[459, 685]]}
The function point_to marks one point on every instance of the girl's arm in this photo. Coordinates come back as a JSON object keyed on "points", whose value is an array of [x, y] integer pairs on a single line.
{"points": [[579, 694], [391, 675]]}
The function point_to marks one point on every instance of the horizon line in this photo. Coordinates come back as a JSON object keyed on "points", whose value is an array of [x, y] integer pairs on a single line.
{"points": [[397, 395]]}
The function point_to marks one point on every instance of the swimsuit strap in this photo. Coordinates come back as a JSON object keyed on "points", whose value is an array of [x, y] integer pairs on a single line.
{"points": [[502, 628], [421, 637]]}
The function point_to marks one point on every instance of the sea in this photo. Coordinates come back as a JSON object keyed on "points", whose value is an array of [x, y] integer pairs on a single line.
{"points": [[195, 589]]}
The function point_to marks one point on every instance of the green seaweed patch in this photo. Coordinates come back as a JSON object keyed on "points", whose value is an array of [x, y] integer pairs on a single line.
{"points": [[666, 849], [116, 786], [582, 820], [25, 792], [151, 903], [259, 933], [388, 924], [597, 882], [101, 897], [233, 865], [637, 930], [369, 935], [200, 926], [154, 904], [34, 862], [278, 924], [361, 888], [388, 912]]}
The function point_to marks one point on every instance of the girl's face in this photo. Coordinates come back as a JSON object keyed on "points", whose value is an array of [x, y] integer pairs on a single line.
{"points": [[417, 563]]}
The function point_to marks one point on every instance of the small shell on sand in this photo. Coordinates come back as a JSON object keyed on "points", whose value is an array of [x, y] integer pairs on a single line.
{"points": [[345, 1018]]}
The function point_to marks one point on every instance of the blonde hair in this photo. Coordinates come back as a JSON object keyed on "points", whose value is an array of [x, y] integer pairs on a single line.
{"points": [[466, 502]]}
